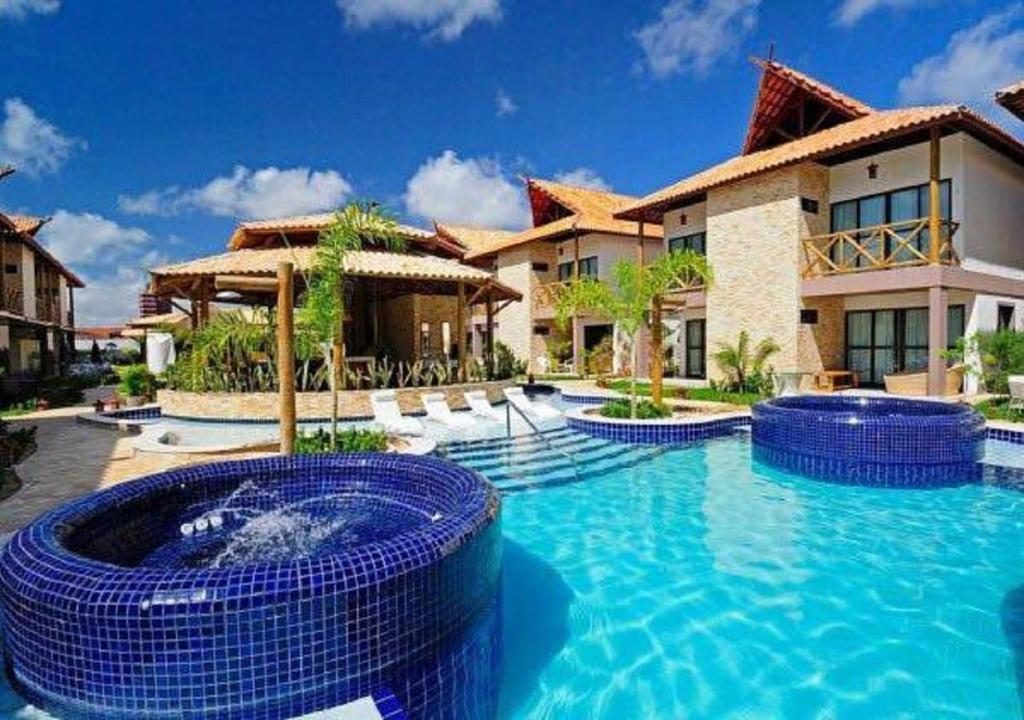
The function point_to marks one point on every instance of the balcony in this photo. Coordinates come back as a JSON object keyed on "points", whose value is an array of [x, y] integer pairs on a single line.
{"points": [[48, 309], [881, 247], [12, 300]]}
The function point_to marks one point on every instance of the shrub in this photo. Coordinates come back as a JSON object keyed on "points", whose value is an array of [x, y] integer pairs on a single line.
{"points": [[506, 364], [63, 392], [137, 381], [999, 354], [645, 410], [15, 444], [351, 440], [600, 359]]}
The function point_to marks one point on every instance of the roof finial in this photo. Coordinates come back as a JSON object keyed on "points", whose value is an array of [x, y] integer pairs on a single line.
{"points": [[771, 51]]}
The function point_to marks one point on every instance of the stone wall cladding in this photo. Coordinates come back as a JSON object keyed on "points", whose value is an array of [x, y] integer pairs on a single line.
{"points": [[514, 326], [309, 406], [754, 230]]}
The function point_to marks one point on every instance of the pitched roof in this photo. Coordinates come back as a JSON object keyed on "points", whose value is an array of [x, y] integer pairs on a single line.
{"points": [[6, 170], [253, 232], [28, 223], [785, 94], [587, 211], [847, 136], [472, 238], [358, 263], [1012, 98]]}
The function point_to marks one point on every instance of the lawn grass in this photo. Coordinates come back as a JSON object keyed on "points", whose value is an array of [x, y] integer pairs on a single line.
{"points": [[703, 394]]}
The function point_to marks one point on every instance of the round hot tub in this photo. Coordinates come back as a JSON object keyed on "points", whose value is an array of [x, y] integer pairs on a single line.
{"points": [[870, 440], [268, 588]]}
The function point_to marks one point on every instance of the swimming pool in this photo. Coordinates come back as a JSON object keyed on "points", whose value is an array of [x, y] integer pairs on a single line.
{"points": [[692, 581]]}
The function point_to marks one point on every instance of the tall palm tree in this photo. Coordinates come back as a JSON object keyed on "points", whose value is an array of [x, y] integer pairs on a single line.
{"points": [[628, 303], [322, 311]]}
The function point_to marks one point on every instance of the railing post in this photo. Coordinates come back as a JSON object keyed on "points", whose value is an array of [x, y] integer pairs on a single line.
{"points": [[934, 201]]}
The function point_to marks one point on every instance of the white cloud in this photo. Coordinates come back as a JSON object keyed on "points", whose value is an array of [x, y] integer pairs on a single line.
{"points": [[446, 19], [692, 35], [504, 104], [30, 142], [976, 62], [475, 191], [20, 9], [850, 12], [247, 194], [583, 177], [111, 298], [87, 237]]}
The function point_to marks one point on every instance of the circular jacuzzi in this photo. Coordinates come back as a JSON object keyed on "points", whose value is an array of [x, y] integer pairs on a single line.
{"points": [[870, 440], [266, 588]]}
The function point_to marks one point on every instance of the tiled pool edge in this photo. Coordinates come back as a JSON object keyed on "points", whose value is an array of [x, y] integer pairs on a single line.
{"points": [[653, 432]]}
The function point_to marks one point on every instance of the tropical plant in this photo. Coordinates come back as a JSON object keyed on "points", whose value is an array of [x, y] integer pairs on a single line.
{"points": [[137, 381], [992, 356], [645, 410], [351, 440], [231, 353], [746, 370], [628, 304], [322, 308], [506, 364]]}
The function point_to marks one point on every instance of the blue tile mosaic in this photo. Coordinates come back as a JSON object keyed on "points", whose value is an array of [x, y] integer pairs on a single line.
{"points": [[108, 608], [655, 433], [145, 413], [871, 441]]}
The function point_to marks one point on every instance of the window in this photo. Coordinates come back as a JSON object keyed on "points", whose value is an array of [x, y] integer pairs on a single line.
{"points": [[809, 205], [809, 316], [695, 242], [541, 330], [424, 338], [888, 208], [1004, 317], [695, 348], [879, 342], [11, 269], [588, 268], [540, 267]]}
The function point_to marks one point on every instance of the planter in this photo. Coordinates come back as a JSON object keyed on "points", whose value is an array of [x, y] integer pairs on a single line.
{"points": [[134, 401]]}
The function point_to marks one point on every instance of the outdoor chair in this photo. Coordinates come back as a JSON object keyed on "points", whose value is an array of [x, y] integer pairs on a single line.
{"points": [[1016, 384], [481, 406], [534, 411], [388, 415], [437, 410]]}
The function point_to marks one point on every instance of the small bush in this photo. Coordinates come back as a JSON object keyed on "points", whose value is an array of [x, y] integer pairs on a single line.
{"points": [[645, 410], [506, 364], [137, 381], [15, 444], [352, 440]]}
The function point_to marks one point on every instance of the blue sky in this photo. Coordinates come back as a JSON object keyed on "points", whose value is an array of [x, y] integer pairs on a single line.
{"points": [[147, 129]]}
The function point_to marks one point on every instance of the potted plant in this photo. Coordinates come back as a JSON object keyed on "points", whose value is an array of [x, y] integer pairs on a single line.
{"points": [[137, 384]]}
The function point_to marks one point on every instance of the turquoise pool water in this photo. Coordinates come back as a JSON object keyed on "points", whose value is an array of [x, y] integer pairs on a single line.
{"points": [[698, 584], [690, 582]]}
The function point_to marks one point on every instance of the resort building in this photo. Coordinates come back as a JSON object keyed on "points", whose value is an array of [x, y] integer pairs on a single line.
{"points": [[406, 306], [574, 233], [37, 316], [858, 239]]}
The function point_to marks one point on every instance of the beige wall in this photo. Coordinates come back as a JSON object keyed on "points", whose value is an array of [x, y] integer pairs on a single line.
{"points": [[696, 221], [608, 249], [28, 281], [516, 320]]}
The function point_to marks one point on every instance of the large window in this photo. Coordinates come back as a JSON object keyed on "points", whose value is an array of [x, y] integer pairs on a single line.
{"points": [[588, 268], [879, 342], [696, 242], [695, 348], [889, 208]]}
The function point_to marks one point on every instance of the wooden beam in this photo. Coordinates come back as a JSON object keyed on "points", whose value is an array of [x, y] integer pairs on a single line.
{"points": [[489, 350], [934, 201], [286, 355], [246, 283]]}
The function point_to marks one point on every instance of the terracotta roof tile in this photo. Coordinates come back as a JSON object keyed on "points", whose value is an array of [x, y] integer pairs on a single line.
{"points": [[473, 238], [1012, 98], [254, 230], [816, 87], [28, 223], [876, 126], [592, 212]]}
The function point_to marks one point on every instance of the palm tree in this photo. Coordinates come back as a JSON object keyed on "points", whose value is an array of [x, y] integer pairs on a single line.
{"points": [[737, 362], [322, 310], [628, 304]]}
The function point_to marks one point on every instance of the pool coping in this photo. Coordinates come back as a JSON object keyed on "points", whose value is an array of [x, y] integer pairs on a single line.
{"points": [[648, 432]]}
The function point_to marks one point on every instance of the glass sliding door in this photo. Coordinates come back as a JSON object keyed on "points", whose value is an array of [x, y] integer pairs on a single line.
{"points": [[695, 349]]}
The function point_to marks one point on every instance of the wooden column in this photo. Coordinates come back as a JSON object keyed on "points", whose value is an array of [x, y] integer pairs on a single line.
{"points": [[642, 354], [460, 330], [489, 350], [286, 355], [937, 339], [934, 199], [577, 326], [338, 343], [657, 353]]}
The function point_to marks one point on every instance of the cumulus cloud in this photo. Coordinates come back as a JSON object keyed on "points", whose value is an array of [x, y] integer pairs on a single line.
{"points": [[583, 177], [444, 19], [474, 191], [504, 104], [88, 237], [110, 298], [850, 12], [976, 62], [20, 9], [692, 35], [31, 143], [247, 194]]}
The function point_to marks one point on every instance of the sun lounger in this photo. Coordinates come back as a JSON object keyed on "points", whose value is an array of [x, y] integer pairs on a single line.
{"points": [[535, 411], [387, 414], [437, 410], [481, 406]]}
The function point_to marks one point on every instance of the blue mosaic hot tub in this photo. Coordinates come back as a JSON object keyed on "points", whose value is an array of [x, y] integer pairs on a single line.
{"points": [[261, 589], [871, 440]]}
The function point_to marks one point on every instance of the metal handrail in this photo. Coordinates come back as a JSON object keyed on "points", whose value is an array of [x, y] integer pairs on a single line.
{"points": [[509, 407]]}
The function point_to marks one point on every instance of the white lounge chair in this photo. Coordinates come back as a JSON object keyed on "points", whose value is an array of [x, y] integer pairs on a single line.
{"points": [[481, 406], [437, 410], [388, 415], [1016, 383], [535, 411]]}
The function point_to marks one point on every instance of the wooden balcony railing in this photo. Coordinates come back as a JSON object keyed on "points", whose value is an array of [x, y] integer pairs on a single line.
{"points": [[881, 247], [12, 300], [48, 309]]}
